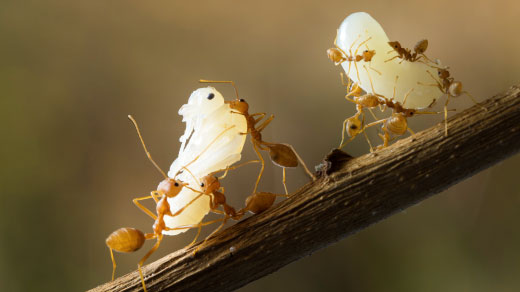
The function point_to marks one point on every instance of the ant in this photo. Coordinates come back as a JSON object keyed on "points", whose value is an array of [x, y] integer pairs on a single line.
{"points": [[338, 56], [130, 239], [406, 54], [353, 125], [397, 123], [450, 88], [282, 155]]}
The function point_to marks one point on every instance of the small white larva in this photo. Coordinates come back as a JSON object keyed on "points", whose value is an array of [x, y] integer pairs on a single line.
{"points": [[206, 116], [360, 26]]}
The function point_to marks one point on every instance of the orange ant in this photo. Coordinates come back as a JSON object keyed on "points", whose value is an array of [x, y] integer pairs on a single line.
{"points": [[450, 88], [353, 126], [282, 155], [406, 54], [338, 56], [130, 239], [397, 123]]}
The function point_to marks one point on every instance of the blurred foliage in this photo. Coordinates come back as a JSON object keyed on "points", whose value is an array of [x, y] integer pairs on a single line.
{"points": [[72, 70]]}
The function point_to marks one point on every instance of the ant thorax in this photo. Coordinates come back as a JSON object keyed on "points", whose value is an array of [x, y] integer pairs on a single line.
{"points": [[359, 27]]}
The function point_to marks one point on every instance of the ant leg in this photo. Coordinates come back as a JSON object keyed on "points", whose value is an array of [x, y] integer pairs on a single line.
{"points": [[372, 113], [199, 228], [283, 180], [265, 123], [368, 140], [343, 133], [362, 43], [113, 263], [261, 168], [301, 162], [146, 256], [336, 44], [187, 205], [446, 115], [410, 130], [392, 58], [143, 208], [233, 167], [357, 72], [352, 45], [474, 101], [257, 114], [370, 67], [212, 233], [407, 94]]}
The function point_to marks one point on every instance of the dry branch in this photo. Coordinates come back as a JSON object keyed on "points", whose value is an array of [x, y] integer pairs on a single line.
{"points": [[349, 195]]}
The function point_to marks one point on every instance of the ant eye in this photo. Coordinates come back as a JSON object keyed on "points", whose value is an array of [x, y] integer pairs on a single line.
{"points": [[202, 184], [395, 46], [365, 51], [242, 100], [176, 184], [211, 96], [353, 127]]}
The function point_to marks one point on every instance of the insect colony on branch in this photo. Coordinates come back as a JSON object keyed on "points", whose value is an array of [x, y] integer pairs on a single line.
{"points": [[212, 142], [216, 131], [406, 77]]}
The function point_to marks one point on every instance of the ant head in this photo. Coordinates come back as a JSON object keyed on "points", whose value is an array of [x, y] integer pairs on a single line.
{"points": [[409, 112], [170, 187], [239, 105], [443, 73], [354, 126], [209, 183], [395, 45], [335, 55], [368, 55]]}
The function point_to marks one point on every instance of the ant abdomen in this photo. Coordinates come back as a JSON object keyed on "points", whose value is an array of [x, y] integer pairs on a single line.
{"points": [[335, 55], [125, 240], [455, 88], [259, 202], [397, 124], [282, 155]]}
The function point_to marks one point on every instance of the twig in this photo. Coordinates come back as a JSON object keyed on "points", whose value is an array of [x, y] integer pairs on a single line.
{"points": [[349, 195]]}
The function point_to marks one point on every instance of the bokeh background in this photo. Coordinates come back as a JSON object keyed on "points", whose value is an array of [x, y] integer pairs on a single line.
{"points": [[70, 72]]}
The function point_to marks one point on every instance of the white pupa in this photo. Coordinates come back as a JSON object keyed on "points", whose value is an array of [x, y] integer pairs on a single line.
{"points": [[206, 117], [358, 27]]}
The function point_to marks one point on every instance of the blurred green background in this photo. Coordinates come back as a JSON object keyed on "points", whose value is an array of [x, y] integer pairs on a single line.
{"points": [[71, 71]]}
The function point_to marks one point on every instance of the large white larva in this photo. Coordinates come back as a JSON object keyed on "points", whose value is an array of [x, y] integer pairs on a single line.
{"points": [[206, 116], [358, 27]]}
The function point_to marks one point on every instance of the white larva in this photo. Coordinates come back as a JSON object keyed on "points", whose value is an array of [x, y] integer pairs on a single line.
{"points": [[206, 116], [358, 27]]}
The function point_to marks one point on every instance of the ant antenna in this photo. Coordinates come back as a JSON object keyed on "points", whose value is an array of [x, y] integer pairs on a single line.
{"points": [[218, 81], [144, 146], [406, 95]]}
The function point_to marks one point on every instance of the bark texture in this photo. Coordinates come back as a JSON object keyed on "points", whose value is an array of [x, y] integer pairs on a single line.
{"points": [[349, 195]]}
